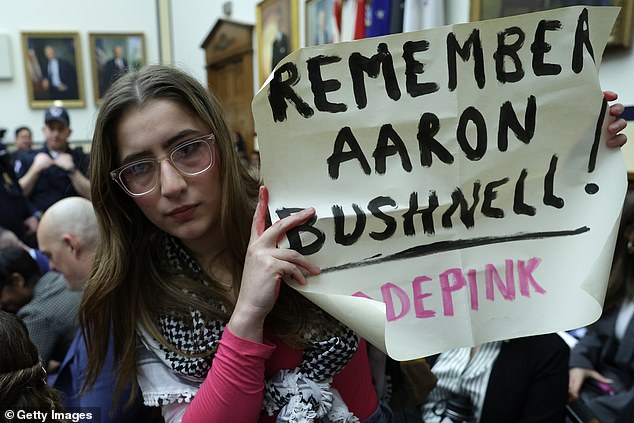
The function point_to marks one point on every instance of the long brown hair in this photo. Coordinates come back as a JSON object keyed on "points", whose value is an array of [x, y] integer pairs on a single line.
{"points": [[130, 282], [22, 376], [621, 280]]}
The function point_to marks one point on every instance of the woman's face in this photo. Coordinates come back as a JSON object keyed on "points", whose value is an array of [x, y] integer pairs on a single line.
{"points": [[187, 207]]}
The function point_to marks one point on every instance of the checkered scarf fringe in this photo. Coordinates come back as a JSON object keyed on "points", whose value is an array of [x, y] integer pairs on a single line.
{"points": [[304, 394], [300, 395]]}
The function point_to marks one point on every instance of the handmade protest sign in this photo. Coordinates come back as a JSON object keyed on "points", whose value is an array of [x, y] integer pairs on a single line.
{"points": [[463, 189]]}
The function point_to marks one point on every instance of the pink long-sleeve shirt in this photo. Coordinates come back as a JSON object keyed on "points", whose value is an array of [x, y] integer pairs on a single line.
{"points": [[234, 387]]}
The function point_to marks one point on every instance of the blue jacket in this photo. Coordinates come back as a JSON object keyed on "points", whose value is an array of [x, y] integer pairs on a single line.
{"points": [[71, 376]]}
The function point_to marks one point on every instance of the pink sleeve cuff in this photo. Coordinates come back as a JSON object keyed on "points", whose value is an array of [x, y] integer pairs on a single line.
{"points": [[244, 346]]}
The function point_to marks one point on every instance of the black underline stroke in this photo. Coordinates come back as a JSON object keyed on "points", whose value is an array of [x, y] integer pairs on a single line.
{"points": [[597, 137], [444, 246]]}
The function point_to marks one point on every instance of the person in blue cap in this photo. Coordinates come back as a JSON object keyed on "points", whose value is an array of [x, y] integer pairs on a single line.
{"points": [[54, 171]]}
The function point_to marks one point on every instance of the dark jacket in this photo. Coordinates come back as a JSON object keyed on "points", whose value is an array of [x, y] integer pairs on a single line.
{"points": [[600, 350], [53, 183], [528, 382], [15, 208]]}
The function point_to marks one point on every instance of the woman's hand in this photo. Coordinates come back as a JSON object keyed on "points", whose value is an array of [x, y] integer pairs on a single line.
{"points": [[265, 267], [615, 124], [578, 375]]}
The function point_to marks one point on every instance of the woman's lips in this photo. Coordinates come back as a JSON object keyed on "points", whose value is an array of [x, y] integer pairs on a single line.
{"points": [[183, 214]]}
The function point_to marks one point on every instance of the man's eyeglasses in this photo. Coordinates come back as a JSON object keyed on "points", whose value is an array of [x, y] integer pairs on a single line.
{"points": [[190, 158]]}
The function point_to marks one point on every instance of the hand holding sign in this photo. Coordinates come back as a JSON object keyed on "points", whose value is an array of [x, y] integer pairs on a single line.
{"points": [[616, 124], [460, 176], [266, 266]]}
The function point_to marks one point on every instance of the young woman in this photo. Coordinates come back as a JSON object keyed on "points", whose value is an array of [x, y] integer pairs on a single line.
{"points": [[189, 279], [188, 276]]}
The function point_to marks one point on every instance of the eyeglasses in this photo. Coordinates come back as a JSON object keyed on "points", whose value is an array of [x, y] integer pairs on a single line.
{"points": [[189, 158]]}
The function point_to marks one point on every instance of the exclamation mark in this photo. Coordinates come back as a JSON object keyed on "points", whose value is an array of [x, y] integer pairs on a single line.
{"points": [[592, 188]]}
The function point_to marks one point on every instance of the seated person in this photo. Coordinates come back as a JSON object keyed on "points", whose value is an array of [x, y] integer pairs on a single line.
{"points": [[16, 214], [22, 375], [9, 239], [519, 380], [602, 362], [47, 307]]}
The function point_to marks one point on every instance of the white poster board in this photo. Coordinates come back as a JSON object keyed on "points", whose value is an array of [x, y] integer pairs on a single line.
{"points": [[463, 189]]}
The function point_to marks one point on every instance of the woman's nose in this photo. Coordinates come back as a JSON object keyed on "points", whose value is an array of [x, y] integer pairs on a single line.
{"points": [[172, 182]]}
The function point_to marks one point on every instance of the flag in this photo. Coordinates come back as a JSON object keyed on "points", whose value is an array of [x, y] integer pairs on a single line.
{"points": [[396, 16], [377, 18], [347, 19], [423, 14], [359, 21], [337, 15], [335, 22]]}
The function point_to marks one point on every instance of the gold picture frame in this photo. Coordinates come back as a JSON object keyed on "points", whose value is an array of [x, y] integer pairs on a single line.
{"points": [[277, 33], [621, 33], [112, 55], [53, 69]]}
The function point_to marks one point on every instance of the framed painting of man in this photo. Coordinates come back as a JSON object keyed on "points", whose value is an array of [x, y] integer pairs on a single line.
{"points": [[53, 69], [277, 33], [112, 55], [321, 27]]}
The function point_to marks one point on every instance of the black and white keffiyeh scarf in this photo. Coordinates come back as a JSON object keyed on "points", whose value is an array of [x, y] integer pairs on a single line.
{"points": [[300, 395]]}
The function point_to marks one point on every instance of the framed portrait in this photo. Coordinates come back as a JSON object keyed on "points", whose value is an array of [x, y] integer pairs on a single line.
{"points": [[53, 69], [621, 35], [320, 22], [277, 33], [112, 55]]}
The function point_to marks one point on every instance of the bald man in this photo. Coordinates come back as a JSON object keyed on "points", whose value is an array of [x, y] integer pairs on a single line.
{"points": [[68, 235]]}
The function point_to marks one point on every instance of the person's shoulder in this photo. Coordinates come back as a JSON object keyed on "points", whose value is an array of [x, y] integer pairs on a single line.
{"points": [[81, 159], [25, 311], [546, 344], [17, 154], [78, 152], [28, 155], [55, 296], [53, 285], [52, 279]]}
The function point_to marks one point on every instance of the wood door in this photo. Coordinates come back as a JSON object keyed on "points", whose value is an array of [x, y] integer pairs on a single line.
{"points": [[229, 60]]}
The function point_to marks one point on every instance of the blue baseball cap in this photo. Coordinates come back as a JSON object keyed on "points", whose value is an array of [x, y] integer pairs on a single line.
{"points": [[56, 113]]}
